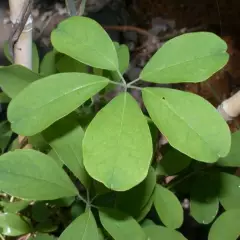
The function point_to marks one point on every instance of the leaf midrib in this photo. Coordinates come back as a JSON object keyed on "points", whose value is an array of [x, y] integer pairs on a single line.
{"points": [[34, 178], [26, 115], [119, 136], [83, 43], [179, 63]]}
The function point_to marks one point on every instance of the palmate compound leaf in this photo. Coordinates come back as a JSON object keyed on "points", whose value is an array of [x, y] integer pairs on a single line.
{"points": [[191, 124], [51, 98], [84, 227], [168, 207], [120, 225], [32, 175], [191, 57], [65, 137], [91, 45], [117, 146], [233, 158], [155, 232], [226, 227], [135, 200], [14, 78]]}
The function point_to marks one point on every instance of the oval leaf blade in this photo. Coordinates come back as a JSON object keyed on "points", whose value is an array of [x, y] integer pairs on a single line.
{"points": [[233, 158], [226, 227], [65, 137], [50, 99], [84, 227], [202, 133], [191, 57], [229, 194], [14, 78], [82, 45], [119, 159], [13, 225], [33, 169], [155, 232], [168, 207], [121, 226], [204, 201]]}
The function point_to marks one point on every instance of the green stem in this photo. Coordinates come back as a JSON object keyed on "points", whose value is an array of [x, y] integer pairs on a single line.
{"points": [[132, 82], [123, 80], [125, 86], [2, 237], [83, 199], [70, 4], [82, 7]]}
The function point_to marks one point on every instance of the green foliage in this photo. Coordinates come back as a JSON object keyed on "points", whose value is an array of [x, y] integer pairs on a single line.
{"points": [[81, 45], [35, 170], [13, 225], [95, 170], [118, 144], [175, 111], [226, 227], [192, 57], [54, 96], [121, 226], [84, 227], [168, 207]]}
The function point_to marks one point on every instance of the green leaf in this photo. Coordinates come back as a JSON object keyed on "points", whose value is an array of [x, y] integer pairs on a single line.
{"points": [[173, 162], [48, 64], [155, 232], [204, 201], [233, 158], [51, 99], [28, 174], [123, 57], [65, 137], [54, 156], [39, 143], [121, 226], [134, 200], [91, 45], [119, 159], [68, 64], [84, 228], [4, 98], [35, 58], [191, 57], [168, 207], [229, 195], [14, 207], [14, 78], [226, 227], [202, 133], [13, 225]]}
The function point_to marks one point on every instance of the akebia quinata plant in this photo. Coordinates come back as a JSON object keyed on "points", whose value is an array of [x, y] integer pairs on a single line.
{"points": [[107, 160]]}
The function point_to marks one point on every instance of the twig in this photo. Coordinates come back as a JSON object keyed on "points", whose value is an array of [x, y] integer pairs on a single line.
{"points": [[82, 7], [71, 7]]}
